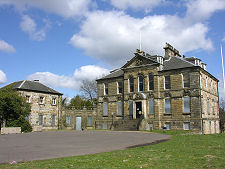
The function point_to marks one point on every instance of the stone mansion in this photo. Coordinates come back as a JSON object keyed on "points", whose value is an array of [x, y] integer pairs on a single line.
{"points": [[156, 92]]}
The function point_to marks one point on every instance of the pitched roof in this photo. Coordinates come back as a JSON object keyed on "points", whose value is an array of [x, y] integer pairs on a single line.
{"points": [[33, 86], [176, 63], [113, 74]]}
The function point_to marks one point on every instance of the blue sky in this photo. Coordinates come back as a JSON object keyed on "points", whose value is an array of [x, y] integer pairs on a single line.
{"points": [[64, 42]]}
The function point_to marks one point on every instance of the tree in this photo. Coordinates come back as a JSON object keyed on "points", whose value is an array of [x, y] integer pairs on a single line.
{"points": [[13, 107], [222, 114], [89, 90]]}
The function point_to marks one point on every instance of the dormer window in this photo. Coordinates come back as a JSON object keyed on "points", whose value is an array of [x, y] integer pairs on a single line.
{"points": [[160, 59], [106, 89], [141, 83]]}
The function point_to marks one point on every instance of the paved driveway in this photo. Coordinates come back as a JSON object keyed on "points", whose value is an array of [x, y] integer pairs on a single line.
{"points": [[46, 145]]}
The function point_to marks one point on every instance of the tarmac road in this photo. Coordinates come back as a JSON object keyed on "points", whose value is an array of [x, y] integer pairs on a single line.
{"points": [[55, 144]]}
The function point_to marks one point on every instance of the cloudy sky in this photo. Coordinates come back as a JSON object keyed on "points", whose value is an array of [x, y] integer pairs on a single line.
{"points": [[62, 42]]}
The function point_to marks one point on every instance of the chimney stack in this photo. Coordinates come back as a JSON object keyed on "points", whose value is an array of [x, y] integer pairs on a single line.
{"points": [[170, 51]]}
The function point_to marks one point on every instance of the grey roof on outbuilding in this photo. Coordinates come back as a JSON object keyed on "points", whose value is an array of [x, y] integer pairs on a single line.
{"points": [[113, 74], [33, 86], [176, 63]]}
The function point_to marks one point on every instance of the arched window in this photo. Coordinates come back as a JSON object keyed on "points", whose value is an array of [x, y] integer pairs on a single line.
{"points": [[131, 81], [141, 83]]}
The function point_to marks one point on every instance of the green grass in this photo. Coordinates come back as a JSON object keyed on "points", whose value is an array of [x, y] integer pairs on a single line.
{"points": [[182, 151], [172, 132]]}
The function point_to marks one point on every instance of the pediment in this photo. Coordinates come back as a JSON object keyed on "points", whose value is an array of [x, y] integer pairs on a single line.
{"points": [[138, 61]]}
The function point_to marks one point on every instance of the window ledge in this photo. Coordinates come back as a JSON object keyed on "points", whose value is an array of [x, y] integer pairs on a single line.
{"points": [[186, 113], [167, 114]]}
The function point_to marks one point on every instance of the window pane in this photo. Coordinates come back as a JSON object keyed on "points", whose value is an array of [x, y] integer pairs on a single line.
{"points": [[89, 121], [119, 108], [208, 108], [167, 82], [104, 126], [40, 119], [119, 87], [53, 120], [131, 108], [167, 106], [187, 104], [106, 88], [68, 120], [141, 83], [186, 79], [105, 109], [168, 127], [151, 82], [131, 84], [151, 106], [186, 126]]}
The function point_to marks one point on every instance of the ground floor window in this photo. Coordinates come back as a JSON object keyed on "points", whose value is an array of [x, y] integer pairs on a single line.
{"points": [[104, 126], [150, 126], [168, 126], [187, 126], [53, 120], [119, 110], [89, 121], [68, 120], [131, 108], [40, 119]]}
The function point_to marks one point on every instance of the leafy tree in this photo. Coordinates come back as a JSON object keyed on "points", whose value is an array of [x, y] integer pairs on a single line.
{"points": [[222, 114], [13, 107], [79, 102]]}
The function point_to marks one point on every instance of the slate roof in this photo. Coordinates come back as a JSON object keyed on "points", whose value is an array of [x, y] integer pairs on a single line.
{"points": [[113, 74], [176, 63], [33, 86]]}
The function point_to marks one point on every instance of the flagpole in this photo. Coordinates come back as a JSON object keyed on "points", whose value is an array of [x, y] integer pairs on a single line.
{"points": [[222, 66]]}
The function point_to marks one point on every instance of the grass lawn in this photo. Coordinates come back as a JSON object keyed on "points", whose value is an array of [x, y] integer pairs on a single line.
{"points": [[182, 151]]}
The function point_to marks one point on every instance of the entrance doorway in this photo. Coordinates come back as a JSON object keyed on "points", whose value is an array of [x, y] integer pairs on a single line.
{"points": [[78, 123], [138, 109]]}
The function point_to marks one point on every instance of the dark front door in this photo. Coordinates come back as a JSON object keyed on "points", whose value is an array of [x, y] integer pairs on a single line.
{"points": [[138, 109]]}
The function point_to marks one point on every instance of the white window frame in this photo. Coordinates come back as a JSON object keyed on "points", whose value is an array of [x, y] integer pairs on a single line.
{"points": [[42, 101], [28, 98], [53, 101], [118, 88], [105, 88], [142, 83], [189, 104], [185, 126], [165, 105]]}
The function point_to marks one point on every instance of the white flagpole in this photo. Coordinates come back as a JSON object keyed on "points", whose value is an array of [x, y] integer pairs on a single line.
{"points": [[222, 66]]}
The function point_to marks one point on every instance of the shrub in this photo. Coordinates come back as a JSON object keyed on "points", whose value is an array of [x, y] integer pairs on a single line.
{"points": [[20, 122]]}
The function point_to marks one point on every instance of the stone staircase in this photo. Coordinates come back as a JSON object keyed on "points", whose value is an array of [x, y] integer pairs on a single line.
{"points": [[127, 124]]}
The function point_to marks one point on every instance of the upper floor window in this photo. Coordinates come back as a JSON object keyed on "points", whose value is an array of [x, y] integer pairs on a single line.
{"points": [[186, 104], [106, 91], [119, 87], [167, 82], [141, 83], [186, 80], [131, 81], [28, 99], [151, 81], [168, 106], [53, 101], [41, 100]]}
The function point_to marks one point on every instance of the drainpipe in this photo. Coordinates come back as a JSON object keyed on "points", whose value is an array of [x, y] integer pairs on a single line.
{"points": [[202, 127]]}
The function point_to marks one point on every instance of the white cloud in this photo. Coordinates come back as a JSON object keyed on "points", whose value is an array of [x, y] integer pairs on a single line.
{"points": [[113, 36], [5, 47], [89, 72], [145, 5], [28, 25], [65, 8], [3, 77], [198, 10]]}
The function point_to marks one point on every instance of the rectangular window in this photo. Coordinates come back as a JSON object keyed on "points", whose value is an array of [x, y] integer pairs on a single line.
{"points": [[89, 121], [167, 82], [105, 109], [53, 120], [151, 106], [28, 99], [131, 108], [119, 87], [53, 101], [131, 81], [168, 126], [106, 90], [186, 80], [41, 100], [150, 126], [119, 104], [68, 120], [40, 119], [208, 106], [187, 104], [187, 126], [141, 83], [168, 106], [104, 126], [151, 81]]}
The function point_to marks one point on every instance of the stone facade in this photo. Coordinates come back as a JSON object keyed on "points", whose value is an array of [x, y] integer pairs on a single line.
{"points": [[78, 119], [46, 113], [171, 92]]}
